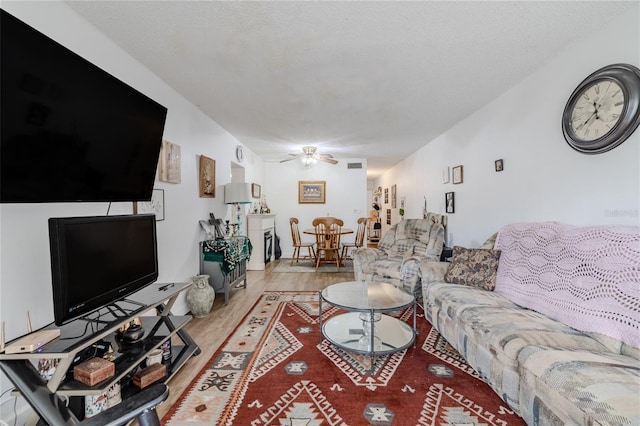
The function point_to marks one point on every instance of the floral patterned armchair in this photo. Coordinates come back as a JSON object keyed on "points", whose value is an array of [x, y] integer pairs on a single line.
{"points": [[403, 247]]}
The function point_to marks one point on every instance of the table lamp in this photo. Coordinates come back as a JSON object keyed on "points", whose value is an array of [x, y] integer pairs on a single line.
{"points": [[237, 193]]}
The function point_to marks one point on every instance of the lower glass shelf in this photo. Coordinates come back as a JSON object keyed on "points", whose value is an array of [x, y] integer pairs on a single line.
{"points": [[346, 332]]}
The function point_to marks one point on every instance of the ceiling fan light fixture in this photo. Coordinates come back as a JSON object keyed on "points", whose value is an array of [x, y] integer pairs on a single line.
{"points": [[309, 150], [308, 161], [310, 156]]}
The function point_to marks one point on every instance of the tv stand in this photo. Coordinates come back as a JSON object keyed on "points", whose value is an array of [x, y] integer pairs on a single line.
{"points": [[47, 398], [114, 309]]}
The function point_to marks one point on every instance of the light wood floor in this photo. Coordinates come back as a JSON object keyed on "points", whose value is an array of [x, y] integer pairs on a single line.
{"points": [[210, 332]]}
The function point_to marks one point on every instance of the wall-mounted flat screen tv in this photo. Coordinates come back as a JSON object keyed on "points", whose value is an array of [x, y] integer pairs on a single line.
{"points": [[98, 260], [69, 131]]}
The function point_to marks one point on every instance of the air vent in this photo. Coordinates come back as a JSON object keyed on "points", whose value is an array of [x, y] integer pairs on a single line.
{"points": [[354, 165]]}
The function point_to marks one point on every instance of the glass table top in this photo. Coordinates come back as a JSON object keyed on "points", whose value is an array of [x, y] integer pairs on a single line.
{"points": [[361, 295]]}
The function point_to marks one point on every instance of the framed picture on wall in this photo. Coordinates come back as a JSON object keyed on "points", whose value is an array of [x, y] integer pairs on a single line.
{"points": [[154, 206], [393, 196], [311, 192], [457, 174], [207, 177], [445, 175], [169, 163], [449, 201], [255, 190]]}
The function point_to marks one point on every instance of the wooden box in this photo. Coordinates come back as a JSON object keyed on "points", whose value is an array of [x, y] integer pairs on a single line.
{"points": [[93, 371], [149, 375]]}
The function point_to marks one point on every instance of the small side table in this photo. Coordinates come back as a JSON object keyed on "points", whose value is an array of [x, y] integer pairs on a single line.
{"points": [[365, 328], [225, 261]]}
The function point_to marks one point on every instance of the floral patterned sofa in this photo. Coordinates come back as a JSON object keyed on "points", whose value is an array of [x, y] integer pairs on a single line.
{"points": [[558, 338], [402, 248]]}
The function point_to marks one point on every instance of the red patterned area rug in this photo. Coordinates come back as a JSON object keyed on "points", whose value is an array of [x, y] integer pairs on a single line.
{"points": [[275, 370]]}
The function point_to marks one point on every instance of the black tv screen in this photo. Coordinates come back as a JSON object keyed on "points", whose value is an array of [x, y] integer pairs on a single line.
{"points": [[69, 130], [96, 261]]}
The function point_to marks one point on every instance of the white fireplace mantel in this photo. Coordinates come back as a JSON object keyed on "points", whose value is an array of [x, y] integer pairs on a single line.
{"points": [[257, 226]]}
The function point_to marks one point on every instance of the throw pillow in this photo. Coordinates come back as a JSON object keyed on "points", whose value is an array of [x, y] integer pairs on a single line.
{"points": [[490, 243], [473, 267]]}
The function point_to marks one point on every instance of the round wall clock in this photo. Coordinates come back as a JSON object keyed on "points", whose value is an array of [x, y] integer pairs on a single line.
{"points": [[239, 153], [604, 110]]}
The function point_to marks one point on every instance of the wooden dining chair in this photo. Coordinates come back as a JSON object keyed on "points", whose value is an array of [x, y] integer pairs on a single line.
{"points": [[327, 231], [298, 243], [359, 240]]}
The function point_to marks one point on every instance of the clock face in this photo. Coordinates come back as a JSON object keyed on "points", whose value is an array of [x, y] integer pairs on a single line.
{"points": [[604, 110], [597, 110], [239, 153]]}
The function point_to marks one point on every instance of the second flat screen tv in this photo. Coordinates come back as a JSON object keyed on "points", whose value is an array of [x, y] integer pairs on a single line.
{"points": [[69, 130], [98, 260]]}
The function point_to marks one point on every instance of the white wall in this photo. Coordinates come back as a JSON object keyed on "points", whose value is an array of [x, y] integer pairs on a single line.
{"points": [[544, 179], [346, 196], [25, 276]]}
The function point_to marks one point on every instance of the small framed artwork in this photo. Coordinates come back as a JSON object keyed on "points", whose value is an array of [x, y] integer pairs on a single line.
{"points": [[388, 216], [386, 195], [499, 165], [457, 174], [393, 196], [169, 163], [450, 202], [153, 206], [255, 190], [207, 177], [445, 175], [311, 192]]}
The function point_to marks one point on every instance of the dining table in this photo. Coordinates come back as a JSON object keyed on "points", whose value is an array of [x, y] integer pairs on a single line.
{"points": [[343, 231]]}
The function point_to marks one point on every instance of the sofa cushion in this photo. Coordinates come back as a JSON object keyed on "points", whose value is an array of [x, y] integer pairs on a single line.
{"points": [[414, 229], [492, 332], [389, 267], [585, 277], [388, 239], [473, 267], [406, 246], [579, 387]]}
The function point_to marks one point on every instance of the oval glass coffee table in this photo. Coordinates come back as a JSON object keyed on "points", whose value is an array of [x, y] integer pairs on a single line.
{"points": [[366, 328]]}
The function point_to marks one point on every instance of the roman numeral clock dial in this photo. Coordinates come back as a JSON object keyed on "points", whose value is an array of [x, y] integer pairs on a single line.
{"points": [[597, 110], [604, 110]]}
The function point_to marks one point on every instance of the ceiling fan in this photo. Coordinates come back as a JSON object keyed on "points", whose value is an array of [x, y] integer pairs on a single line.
{"points": [[310, 155]]}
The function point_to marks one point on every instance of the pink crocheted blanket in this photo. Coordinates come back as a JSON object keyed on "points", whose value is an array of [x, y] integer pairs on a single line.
{"points": [[585, 277]]}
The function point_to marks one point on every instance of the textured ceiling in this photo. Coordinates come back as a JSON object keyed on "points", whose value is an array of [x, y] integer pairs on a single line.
{"points": [[358, 79]]}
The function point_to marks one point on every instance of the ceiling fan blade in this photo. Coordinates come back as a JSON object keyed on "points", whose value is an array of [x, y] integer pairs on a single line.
{"points": [[289, 159], [325, 155], [293, 157], [328, 160]]}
